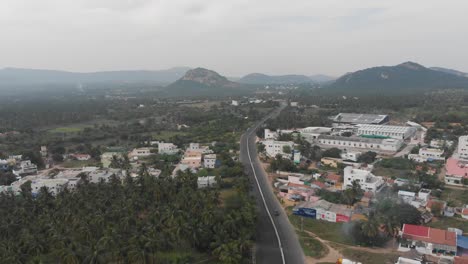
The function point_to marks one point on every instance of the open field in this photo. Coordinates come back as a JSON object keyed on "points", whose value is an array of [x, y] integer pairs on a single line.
{"points": [[312, 247], [446, 222], [71, 129], [166, 135], [368, 257]]}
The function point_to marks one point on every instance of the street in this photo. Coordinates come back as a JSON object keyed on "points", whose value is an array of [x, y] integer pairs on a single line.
{"points": [[276, 241]]}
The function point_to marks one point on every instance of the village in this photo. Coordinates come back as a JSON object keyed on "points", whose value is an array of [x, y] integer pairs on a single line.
{"points": [[355, 166]]}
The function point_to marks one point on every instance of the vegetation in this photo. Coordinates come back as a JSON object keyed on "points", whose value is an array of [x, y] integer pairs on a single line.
{"points": [[149, 220], [367, 157], [311, 246]]}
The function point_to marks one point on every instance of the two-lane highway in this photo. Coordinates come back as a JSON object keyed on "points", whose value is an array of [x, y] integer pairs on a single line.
{"points": [[276, 241]]}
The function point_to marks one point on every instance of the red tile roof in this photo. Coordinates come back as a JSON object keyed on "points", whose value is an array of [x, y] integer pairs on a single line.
{"points": [[455, 167], [333, 177], [465, 211], [430, 235]]}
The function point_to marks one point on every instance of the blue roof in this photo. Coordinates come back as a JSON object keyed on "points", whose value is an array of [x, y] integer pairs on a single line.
{"points": [[462, 241]]}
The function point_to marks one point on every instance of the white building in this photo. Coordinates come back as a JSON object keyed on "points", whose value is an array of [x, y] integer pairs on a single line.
{"points": [[271, 134], [274, 148], [350, 155], [235, 103], [139, 153], [167, 148], [195, 147], [396, 132], [463, 147], [374, 144], [366, 180], [209, 161], [26, 167], [427, 154], [54, 186], [103, 175], [440, 143], [207, 181], [312, 133]]}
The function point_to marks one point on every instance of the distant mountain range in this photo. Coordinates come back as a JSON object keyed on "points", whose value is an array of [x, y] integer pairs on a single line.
{"points": [[204, 82], [454, 72], [408, 76], [12, 76], [264, 79]]}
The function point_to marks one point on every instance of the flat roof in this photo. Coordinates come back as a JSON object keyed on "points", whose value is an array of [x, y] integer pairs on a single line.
{"points": [[384, 128], [356, 118]]}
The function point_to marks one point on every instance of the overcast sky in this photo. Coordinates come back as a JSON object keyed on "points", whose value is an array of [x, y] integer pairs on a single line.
{"points": [[233, 37]]}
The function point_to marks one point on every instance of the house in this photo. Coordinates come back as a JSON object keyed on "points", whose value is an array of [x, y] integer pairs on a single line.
{"points": [[26, 167], [350, 155], [427, 154], [273, 148], [353, 118], [296, 192], [192, 158], [396, 132], [463, 147], [374, 144], [273, 135], [323, 210], [440, 143], [81, 157], [167, 148], [209, 161], [139, 153], [235, 103], [106, 158], [456, 170], [406, 197], [432, 205], [195, 147], [207, 181], [427, 240], [333, 180], [366, 180]]}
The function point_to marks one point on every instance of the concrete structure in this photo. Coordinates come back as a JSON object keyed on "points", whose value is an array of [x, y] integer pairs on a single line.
{"points": [[209, 161], [323, 210], [374, 144], [402, 260], [427, 240], [396, 132], [207, 181], [270, 134], [273, 148], [80, 157], [106, 158], [350, 155], [167, 148], [440, 143], [463, 147], [455, 171], [139, 153], [235, 103], [428, 154], [351, 118], [195, 147], [54, 186], [26, 167], [312, 133], [104, 175], [366, 180], [192, 159]]}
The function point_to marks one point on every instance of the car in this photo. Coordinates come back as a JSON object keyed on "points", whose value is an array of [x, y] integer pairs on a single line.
{"points": [[276, 213]]}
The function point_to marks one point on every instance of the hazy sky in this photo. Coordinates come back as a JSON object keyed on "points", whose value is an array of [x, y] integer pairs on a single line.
{"points": [[233, 37]]}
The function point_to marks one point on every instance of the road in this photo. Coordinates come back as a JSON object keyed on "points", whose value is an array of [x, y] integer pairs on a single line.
{"points": [[276, 241]]}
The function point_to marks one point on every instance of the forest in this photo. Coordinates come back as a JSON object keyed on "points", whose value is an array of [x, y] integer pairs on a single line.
{"points": [[143, 220]]}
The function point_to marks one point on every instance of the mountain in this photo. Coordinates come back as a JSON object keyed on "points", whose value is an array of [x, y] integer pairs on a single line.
{"points": [[321, 78], [12, 76], [203, 82], [260, 78], [454, 72], [408, 76]]}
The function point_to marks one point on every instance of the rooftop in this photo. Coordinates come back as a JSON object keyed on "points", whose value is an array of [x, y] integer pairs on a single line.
{"points": [[428, 234], [386, 128], [457, 168], [359, 118]]}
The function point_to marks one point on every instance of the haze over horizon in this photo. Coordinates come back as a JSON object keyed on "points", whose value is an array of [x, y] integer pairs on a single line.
{"points": [[233, 38]]}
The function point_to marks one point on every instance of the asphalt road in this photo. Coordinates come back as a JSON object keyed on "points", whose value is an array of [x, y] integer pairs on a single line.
{"points": [[276, 241]]}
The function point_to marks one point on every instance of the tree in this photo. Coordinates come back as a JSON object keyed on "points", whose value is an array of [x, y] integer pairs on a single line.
{"points": [[332, 153], [287, 149], [367, 157], [6, 178]]}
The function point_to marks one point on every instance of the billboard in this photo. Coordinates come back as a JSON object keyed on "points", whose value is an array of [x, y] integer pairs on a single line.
{"points": [[307, 212]]}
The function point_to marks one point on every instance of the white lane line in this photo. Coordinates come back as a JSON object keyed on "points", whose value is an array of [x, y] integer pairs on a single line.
{"points": [[263, 198]]}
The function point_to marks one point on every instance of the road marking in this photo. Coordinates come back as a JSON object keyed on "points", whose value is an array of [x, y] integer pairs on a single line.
{"points": [[263, 198]]}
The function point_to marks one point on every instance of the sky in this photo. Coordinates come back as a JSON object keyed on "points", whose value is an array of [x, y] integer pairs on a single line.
{"points": [[233, 37]]}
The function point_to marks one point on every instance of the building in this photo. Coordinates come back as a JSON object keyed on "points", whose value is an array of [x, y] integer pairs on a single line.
{"points": [[209, 161], [366, 180], [396, 132], [235, 103], [455, 171], [54, 186], [43, 151], [323, 210], [402, 260], [351, 118], [167, 148], [81, 157], [350, 155], [312, 133], [106, 158], [463, 147], [427, 240], [440, 143], [104, 175], [195, 147], [271, 134], [192, 159], [273, 148], [428, 154], [297, 156], [139, 153], [374, 144], [26, 167], [207, 181]]}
